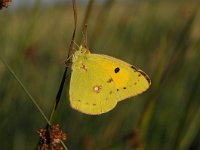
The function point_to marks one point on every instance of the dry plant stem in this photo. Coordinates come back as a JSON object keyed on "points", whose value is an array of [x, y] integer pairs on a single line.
{"points": [[86, 17], [84, 42], [74, 32], [59, 93], [88, 13], [68, 55]]}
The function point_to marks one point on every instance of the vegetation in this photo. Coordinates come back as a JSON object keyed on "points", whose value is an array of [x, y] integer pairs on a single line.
{"points": [[162, 38]]}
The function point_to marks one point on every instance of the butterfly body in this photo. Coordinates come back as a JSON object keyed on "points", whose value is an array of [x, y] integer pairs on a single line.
{"points": [[98, 82]]}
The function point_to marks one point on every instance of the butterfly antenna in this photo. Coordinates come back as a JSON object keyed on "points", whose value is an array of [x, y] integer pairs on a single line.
{"points": [[67, 61], [74, 49], [76, 44]]}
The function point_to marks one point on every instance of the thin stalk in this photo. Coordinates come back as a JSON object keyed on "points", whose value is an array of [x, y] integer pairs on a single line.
{"points": [[59, 93], [26, 91]]}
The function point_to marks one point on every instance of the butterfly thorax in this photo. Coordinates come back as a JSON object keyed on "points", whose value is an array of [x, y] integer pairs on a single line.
{"points": [[79, 56]]}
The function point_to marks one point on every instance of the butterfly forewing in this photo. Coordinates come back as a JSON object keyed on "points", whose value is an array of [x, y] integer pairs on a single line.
{"points": [[129, 81]]}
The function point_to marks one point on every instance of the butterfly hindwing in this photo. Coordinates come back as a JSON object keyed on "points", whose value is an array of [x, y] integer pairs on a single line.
{"points": [[89, 91]]}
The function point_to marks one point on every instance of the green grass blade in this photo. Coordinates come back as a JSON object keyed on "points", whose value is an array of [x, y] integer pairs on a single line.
{"points": [[29, 95], [26, 91], [191, 132]]}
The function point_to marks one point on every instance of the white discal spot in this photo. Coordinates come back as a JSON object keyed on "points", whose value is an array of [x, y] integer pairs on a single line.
{"points": [[97, 88]]}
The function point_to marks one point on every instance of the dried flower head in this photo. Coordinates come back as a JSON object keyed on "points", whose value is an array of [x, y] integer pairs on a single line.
{"points": [[134, 140], [51, 138], [43, 134], [5, 3], [56, 136]]}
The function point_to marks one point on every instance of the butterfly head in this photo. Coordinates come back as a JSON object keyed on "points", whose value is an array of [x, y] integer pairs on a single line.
{"points": [[81, 52]]}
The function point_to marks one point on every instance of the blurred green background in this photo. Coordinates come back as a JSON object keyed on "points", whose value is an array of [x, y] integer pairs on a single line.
{"points": [[161, 37]]}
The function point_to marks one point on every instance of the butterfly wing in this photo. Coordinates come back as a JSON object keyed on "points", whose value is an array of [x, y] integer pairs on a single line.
{"points": [[89, 91], [98, 82], [129, 81]]}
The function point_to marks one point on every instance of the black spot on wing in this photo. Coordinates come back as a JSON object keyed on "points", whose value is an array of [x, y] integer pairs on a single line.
{"points": [[110, 80], [141, 72], [117, 70], [134, 68], [146, 76]]}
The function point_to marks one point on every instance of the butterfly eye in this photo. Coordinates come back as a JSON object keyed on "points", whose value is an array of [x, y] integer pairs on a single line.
{"points": [[117, 70]]}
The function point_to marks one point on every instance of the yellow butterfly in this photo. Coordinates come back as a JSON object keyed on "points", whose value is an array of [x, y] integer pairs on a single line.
{"points": [[98, 82]]}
